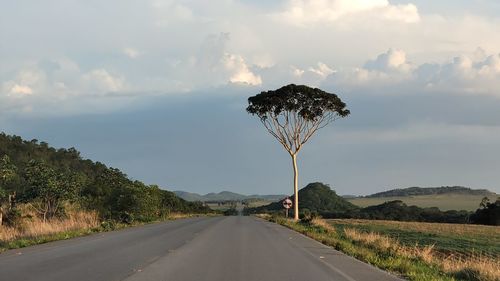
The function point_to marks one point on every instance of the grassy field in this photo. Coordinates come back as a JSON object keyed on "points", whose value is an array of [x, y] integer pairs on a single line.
{"points": [[399, 247], [220, 207], [258, 203], [456, 239], [251, 204], [442, 201]]}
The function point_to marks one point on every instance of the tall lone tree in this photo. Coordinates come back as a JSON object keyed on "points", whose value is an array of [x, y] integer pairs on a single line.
{"points": [[292, 114]]}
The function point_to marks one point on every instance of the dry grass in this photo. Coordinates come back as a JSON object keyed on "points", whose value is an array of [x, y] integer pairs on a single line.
{"points": [[176, 216], [415, 262], [32, 226], [481, 267], [435, 228], [324, 224], [263, 216]]}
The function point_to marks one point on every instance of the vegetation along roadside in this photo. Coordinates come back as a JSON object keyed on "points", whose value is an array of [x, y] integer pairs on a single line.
{"points": [[49, 194], [411, 261]]}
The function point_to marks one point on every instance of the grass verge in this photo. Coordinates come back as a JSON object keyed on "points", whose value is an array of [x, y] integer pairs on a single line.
{"points": [[413, 263], [77, 223]]}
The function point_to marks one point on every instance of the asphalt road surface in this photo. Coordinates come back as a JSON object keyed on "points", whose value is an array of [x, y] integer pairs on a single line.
{"points": [[212, 249]]}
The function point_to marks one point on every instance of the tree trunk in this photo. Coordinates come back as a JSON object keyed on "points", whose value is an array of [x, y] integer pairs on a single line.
{"points": [[295, 188]]}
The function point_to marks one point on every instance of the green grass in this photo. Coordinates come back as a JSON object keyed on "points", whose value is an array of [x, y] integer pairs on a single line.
{"points": [[406, 267], [442, 201], [399, 258], [446, 238]]}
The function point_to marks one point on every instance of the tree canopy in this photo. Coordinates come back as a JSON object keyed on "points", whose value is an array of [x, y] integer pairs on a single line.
{"points": [[293, 113], [45, 178]]}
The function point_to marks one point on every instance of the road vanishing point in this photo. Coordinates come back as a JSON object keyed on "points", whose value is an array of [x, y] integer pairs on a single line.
{"points": [[204, 248]]}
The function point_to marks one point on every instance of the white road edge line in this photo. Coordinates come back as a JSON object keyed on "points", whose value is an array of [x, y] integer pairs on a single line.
{"points": [[314, 256], [332, 267], [331, 248]]}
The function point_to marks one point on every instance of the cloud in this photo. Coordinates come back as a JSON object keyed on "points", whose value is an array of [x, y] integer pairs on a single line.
{"points": [[46, 84], [463, 74], [169, 12], [24, 84], [322, 70], [391, 61], [297, 72], [311, 12], [131, 53], [23, 90], [215, 65], [101, 81], [60, 87], [312, 75], [165, 48], [240, 71], [476, 73]]}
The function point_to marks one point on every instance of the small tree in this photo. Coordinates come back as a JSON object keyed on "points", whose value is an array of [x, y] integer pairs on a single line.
{"points": [[49, 188], [484, 202], [292, 114], [7, 174]]}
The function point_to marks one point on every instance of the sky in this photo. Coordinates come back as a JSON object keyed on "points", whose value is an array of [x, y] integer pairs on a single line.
{"points": [[159, 89]]}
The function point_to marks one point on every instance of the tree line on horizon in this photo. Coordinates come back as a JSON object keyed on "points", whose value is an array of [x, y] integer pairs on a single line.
{"points": [[46, 179], [318, 199]]}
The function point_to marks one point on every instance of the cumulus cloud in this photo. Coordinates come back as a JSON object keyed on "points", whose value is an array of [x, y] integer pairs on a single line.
{"points": [[44, 86], [25, 83], [311, 75], [215, 65], [322, 70], [391, 61], [463, 74], [165, 47], [240, 71], [477, 73], [308, 12], [297, 72], [48, 82]]}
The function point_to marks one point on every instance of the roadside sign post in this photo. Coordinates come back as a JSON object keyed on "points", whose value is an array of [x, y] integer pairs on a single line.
{"points": [[287, 204]]}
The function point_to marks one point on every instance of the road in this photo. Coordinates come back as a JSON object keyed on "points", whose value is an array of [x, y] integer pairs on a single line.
{"points": [[212, 249]]}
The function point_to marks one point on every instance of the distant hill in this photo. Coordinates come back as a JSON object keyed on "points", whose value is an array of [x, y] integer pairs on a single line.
{"points": [[321, 199], [316, 197], [445, 197], [188, 196], [413, 191], [225, 196], [399, 211]]}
